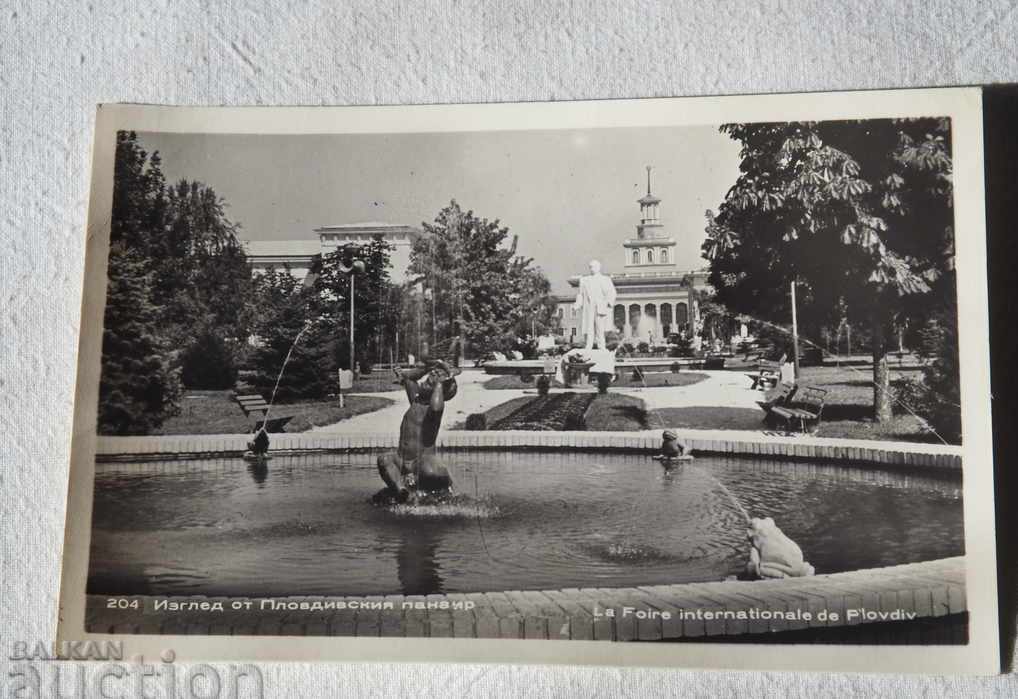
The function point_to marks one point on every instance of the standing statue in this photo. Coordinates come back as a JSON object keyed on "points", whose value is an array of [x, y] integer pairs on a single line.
{"points": [[414, 466], [595, 300]]}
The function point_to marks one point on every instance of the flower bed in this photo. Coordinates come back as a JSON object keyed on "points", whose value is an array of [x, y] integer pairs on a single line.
{"points": [[559, 411]]}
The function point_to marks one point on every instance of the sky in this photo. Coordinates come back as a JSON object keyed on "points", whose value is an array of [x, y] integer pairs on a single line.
{"points": [[570, 195]]}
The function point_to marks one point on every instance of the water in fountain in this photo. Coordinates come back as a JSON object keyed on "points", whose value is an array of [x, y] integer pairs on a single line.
{"points": [[731, 496], [286, 360]]}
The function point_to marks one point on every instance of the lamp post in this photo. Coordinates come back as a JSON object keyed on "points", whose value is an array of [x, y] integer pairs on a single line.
{"points": [[429, 295], [795, 334], [356, 267]]}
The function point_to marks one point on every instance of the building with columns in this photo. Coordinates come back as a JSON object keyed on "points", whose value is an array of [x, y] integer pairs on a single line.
{"points": [[297, 254], [656, 297]]}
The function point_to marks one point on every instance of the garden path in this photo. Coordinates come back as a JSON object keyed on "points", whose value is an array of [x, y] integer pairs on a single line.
{"points": [[720, 389]]}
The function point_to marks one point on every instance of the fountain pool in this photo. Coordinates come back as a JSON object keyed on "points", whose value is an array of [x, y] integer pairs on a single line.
{"points": [[521, 520]]}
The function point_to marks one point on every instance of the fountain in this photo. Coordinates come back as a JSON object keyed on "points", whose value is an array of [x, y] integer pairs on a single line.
{"points": [[415, 467], [258, 448]]}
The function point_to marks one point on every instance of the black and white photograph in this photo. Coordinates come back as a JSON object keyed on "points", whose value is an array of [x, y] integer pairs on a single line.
{"points": [[664, 381]]}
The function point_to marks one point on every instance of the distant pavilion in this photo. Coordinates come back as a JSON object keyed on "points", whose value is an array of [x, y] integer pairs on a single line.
{"points": [[297, 254], [655, 297]]}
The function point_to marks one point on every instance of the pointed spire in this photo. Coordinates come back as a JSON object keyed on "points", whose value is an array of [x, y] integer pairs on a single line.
{"points": [[649, 168]]}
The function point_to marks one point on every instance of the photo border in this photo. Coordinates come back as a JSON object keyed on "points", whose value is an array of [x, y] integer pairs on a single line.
{"points": [[962, 105]]}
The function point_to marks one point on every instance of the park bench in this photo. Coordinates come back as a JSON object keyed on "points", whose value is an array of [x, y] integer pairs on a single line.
{"points": [[767, 373], [778, 396], [802, 410], [255, 407]]}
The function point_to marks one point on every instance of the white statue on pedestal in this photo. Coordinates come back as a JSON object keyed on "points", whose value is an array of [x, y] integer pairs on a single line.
{"points": [[595, 300]]}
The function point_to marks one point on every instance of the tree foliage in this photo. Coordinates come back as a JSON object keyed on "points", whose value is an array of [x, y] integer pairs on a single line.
{"points": [[483, 291], [287, 310], [375, 300], [138, 386], [208, 363], [858, 213], [176, 257]]}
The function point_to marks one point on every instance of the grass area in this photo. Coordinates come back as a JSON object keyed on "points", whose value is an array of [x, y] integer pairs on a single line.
{"points": [[848, 405], [650, 380], [848, 409], [376, 382], [708, 417], [614, 412], [215, 412]]}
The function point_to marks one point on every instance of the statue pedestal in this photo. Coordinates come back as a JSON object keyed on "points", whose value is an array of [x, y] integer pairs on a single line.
{"points": [[577, 365]]}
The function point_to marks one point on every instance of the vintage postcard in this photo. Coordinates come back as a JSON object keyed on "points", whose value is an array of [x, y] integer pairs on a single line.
{"points": [[689, 382]]}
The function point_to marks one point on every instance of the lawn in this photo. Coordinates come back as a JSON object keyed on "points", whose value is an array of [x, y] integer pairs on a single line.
{"points": [[848, 409], [708, 417], [215, 412], [650, 380], [617, 413], [848, 405]]}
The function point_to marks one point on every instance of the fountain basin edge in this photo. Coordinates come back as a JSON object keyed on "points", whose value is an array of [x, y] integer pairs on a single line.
{"points": [[799, 448], [927, 590]]}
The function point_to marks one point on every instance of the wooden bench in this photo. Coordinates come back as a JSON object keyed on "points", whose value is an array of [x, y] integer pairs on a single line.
{"points": [[255, 407], [780, 395], [767, 374], [802, 410]]}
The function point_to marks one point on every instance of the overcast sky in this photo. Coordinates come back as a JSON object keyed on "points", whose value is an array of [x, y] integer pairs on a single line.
{"points": [[570, 195]]}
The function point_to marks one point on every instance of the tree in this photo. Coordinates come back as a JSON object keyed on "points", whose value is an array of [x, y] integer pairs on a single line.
{"points": [[138, 388], [483, 291], [375, 317], [857, 213], [208, 363], [201, 271], [176, 258], [292, 320]]}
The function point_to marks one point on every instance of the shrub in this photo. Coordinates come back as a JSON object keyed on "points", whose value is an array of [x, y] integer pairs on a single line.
{"points": [[937, 397], [574, 422], [476, 422], [208, 363], [643, 347], [543, 384], [612, 340], [676, 367]]}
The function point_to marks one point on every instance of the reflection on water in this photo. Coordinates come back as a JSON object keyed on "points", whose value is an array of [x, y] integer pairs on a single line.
{"points": [[417, 563], [305, 526], [259, 471]]}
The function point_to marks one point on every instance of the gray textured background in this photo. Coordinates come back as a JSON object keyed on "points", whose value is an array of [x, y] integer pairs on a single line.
{"points": [[58, 58]]}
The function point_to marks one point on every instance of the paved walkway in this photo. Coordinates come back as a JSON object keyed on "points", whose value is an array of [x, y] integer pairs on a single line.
{"points": [[721, 389]]}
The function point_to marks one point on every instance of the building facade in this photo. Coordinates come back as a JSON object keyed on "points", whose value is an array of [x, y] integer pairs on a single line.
{"points": [[655, 296], [297, 254]]}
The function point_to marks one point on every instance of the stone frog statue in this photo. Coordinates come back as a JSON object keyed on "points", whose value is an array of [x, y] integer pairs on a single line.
{"points": [[772, 554], [673, 449]]}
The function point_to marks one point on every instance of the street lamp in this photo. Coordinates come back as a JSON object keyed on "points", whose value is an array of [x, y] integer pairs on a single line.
{"points": [[429, 295], [356, 267]]}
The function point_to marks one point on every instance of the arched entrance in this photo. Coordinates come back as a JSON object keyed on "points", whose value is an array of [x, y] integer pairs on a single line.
{"points": [[666, 320], [634, 319]]}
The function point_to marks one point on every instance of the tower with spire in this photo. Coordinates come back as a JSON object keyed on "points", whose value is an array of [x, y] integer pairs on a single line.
{"points": [[656, 297], [652, 248]]}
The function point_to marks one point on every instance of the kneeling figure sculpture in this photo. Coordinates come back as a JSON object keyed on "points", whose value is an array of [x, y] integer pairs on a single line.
{"points": [[415, 466]]}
